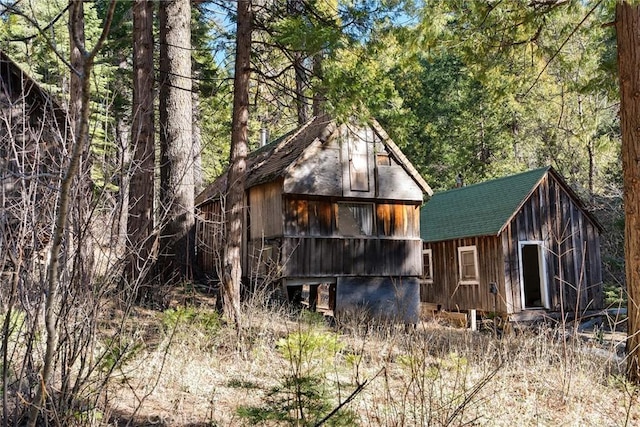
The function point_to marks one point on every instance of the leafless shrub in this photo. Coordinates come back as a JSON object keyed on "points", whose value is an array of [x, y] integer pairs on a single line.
{"points": [[69, 331]]}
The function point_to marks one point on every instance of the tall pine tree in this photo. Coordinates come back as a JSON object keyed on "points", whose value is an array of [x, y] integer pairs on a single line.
{"points": [[176, 162]]}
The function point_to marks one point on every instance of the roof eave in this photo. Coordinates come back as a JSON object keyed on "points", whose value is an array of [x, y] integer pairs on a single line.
{"points": [[461, 237]]}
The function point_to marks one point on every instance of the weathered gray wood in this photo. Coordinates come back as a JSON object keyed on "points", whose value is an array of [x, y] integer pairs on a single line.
{"points": [[394, 183], [265, 212], [296, 199], [317, 172], [314, 256], [352, 186]]}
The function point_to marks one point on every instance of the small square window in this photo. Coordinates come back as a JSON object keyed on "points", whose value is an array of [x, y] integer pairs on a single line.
{"points": [[383, 159], [468, 265]]}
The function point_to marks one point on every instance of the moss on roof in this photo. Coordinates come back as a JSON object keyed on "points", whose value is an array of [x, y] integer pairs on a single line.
{"points": [[476, 210]]}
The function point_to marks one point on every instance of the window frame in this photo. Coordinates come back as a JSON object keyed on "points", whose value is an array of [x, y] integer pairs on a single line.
{"points": [[427, 277], [476, 279], [345, 205]]}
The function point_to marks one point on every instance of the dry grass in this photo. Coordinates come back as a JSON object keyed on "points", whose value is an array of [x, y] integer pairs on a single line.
{"points": [[433, 375]]}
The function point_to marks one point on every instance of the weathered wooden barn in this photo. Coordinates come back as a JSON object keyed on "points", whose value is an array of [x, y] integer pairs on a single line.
{"points": [[332, 217], [512, 244]]}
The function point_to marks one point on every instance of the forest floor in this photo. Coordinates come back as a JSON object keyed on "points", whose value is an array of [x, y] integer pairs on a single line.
{"points": [[186, 368]]}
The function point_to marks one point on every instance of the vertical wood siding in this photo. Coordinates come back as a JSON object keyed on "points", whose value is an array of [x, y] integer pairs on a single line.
{"points": [[313, 246], [446, 290], [346, 209], [318, 256], [265, 214], [310, 244], [209, 234]]}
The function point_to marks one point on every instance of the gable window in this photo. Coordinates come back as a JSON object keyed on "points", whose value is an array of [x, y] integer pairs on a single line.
{"points": [[468, 265], [355, 219], [383, 159], [427, 265], [359, 161]]}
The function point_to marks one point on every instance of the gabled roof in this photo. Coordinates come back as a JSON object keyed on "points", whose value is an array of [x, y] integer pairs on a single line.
{"points": [[270, 162], [482, 209]]}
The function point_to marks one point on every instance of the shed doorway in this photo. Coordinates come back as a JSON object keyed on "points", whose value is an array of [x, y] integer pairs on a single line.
{"points": [[533, 278]]}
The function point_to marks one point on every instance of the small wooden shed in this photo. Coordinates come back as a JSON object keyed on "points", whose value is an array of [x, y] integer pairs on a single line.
{"points": [[332, 217], [516, 243]]}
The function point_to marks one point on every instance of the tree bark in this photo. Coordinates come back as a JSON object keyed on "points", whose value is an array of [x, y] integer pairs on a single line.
{"points": [[198, 172], [84, 186], [123, 135], [176, 168], [301, 101], [141, 195], [318, 91], [628, 40], [232, 270]]}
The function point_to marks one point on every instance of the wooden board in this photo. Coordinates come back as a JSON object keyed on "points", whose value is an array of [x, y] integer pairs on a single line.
{"points": [[265, 210], [394, 183]]}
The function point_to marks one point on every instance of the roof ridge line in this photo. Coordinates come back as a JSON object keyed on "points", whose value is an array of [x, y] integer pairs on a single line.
{"points": [[500, 178]]}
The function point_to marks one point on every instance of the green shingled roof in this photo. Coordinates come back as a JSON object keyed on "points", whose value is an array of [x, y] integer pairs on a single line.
{"points": [[476, 210]]}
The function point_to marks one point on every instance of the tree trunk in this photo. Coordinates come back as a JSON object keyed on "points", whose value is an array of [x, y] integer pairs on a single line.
{"points": [[198, 173], [141, 170], [84, 186], [123, 135], [628, 40], [232, 271], [318, 91], [176, 168], [301, 102]]}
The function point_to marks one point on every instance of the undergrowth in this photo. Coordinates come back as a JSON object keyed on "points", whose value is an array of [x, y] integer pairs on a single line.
{"points": [[295, 368]]}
